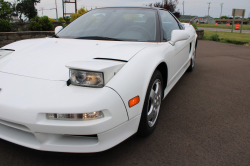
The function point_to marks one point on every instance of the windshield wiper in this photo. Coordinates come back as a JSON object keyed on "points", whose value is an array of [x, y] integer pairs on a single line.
{"points": [[98, 38]]}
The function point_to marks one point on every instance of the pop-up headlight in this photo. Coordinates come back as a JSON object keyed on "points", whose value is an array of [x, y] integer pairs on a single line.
{"points": [[86, 78]]}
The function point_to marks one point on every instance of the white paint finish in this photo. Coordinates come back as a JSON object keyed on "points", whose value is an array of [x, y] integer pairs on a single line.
{"points": [[37, 86], [108, 68], [122, 51], [136, 74], [46, 58], [61, 143], [19, 137], [4, 53], [178, 35], [178, 57], [58, 29], [31, 102], [176, 78]]}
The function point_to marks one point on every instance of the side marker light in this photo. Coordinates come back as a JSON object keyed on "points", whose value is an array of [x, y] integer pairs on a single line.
{"points": [[132, 102]]}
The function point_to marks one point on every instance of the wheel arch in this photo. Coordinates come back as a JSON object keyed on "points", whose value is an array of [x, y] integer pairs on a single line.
{"points": [[196, 43], [163, 68]]}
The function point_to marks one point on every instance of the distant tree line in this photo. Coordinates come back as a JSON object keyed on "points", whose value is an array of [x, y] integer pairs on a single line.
{"points": [[22, 7]]}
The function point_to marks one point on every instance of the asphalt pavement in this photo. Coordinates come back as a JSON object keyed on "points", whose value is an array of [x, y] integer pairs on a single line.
{"points": [[223, 30], [204, 120]]}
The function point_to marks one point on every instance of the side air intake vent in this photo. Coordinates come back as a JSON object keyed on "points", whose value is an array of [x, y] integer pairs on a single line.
{"points": [[15, 126]]}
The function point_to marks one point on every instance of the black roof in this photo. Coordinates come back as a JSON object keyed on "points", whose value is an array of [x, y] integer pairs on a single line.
{"points": [[143, 7]]}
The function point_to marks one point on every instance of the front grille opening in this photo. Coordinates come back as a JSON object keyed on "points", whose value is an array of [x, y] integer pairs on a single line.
{"points": [[90, 136]]}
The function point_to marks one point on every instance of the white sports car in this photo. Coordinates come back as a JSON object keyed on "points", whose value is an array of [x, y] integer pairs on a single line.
{"points": [[94, 83]]}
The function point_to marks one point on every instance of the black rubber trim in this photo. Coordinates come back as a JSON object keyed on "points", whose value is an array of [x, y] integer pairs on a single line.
{"points": [[112, 59], [93, 136], [68, 82], [8, 49]]}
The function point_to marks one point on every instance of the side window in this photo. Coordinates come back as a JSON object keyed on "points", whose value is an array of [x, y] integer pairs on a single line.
{"points": [[168, 24]]}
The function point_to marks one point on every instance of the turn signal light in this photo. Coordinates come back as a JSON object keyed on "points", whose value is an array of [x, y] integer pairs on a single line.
{"points": [[134, 101], [77, 117]]}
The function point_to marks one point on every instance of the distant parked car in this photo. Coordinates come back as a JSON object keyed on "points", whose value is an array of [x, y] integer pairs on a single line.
{"points": [[96, 82]]}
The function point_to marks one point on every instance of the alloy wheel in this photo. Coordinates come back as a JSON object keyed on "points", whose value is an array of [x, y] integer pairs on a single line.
{"points": [[154, 102]]}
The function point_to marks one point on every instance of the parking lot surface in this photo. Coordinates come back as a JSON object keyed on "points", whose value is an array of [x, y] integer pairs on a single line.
{"points": [[204, 120]]}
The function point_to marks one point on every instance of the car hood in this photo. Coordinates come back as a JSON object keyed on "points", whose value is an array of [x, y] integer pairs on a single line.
{"points": [[46, 58]]}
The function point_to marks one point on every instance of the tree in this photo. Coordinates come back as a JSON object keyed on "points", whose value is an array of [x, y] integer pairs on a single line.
{"points": [[52, 20], [60, 19], [40, 24], [5, 10], [170, 5], [27, 7], [67, 19], [78, 14], [224, 17], [5, 25]]}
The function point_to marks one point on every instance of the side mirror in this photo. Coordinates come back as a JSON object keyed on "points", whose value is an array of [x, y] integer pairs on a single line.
{"points": [[58, 29], [178, 35]]}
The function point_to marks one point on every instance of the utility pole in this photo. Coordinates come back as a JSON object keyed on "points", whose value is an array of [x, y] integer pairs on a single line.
{"points": [[233, 21], [221, 9], [208, 7], [64, 2], [42, 10], [56, 10], [183, 7]]}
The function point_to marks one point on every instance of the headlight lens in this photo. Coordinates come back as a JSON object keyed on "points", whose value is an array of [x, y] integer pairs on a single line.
{"points": [[86, 78], [77, 117]]}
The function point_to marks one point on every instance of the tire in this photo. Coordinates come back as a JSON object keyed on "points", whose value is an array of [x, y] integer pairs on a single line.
{"points": [[191, 67], [150, 111]]}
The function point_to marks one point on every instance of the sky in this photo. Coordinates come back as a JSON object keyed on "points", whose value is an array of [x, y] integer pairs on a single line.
{"points": [[191, 7]]}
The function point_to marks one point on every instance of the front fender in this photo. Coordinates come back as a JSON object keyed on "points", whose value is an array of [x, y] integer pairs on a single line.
{"points": [[133, 79]]}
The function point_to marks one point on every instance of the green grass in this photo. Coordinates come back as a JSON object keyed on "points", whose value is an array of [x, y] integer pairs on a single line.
{"points": [[223, 26], [228, 37]]}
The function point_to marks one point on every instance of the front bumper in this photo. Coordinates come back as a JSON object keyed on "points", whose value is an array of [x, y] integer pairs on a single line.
{"points": [[25, 101], [70, 143]]}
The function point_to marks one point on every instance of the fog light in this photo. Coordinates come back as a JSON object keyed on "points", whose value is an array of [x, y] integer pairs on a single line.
{"points": [[83, 116]]}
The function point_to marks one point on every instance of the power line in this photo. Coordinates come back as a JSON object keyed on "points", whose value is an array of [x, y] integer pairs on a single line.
{"points": [[42, 9]]}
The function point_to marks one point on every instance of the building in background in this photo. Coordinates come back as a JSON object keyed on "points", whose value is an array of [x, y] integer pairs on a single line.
{"points": [[195, 19], [236, 21], [204, 20], [186, 18], [14, 17]]}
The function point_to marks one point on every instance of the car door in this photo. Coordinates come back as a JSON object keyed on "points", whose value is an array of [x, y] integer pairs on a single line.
{"points": [[179, 53]]}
